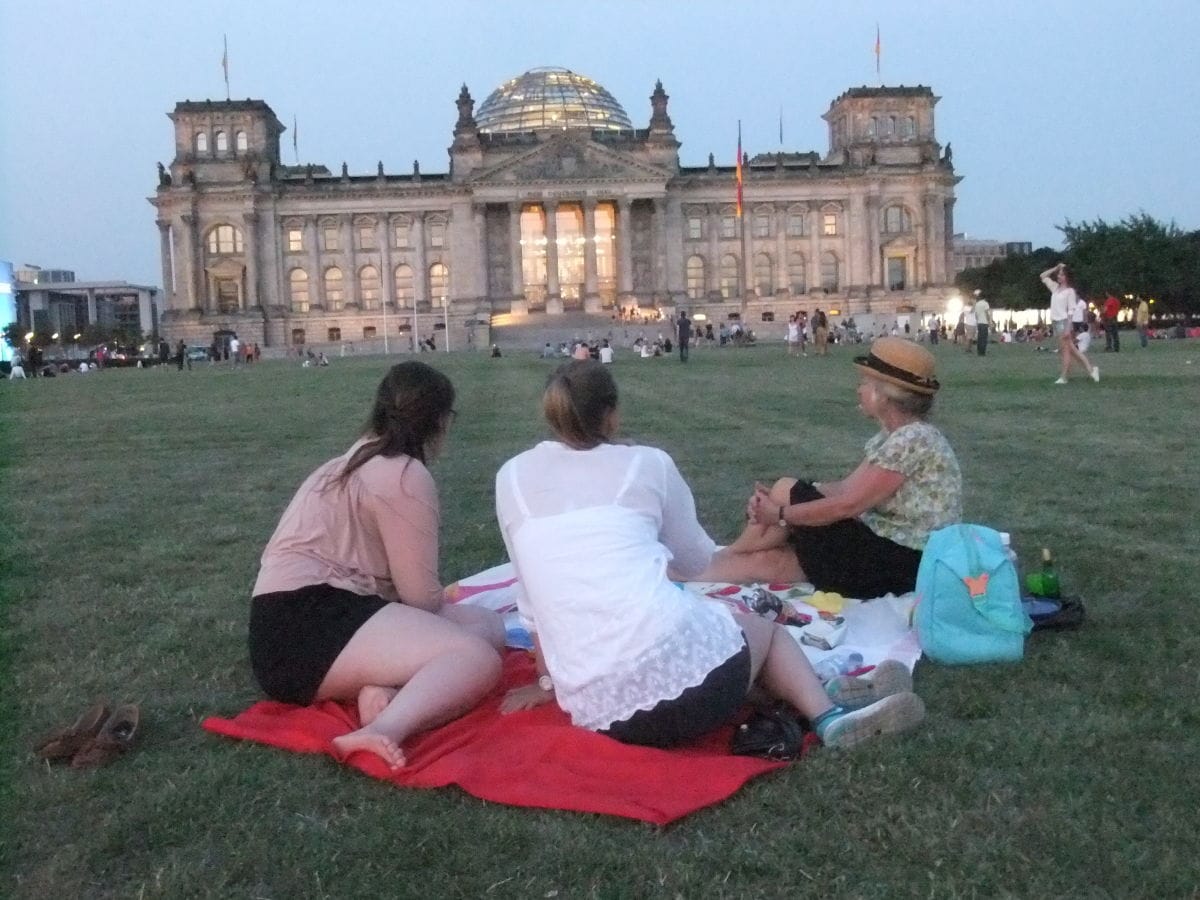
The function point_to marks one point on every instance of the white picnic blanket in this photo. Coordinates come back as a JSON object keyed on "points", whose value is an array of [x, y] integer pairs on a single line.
{"points": [[879, 629]]}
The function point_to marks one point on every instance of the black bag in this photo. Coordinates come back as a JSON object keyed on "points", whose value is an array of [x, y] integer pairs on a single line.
{"points": [[771, 734]]}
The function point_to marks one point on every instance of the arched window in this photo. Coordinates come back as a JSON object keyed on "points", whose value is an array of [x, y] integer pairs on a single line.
{"points": [[298, 290], [695, 277], [731, 282], [369, 287], [241, 142], [871, 127], [896, 220], [829, 271], [224, 240], [403, 279], [222, 143], [201, 141], [797, 276], [763, 270], [439, 284], [335, 290]]}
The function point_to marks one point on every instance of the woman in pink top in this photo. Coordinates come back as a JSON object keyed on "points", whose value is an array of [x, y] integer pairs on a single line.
{"points": [[348, 605]]}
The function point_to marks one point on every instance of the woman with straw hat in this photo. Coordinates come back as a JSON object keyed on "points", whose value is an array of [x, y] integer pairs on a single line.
{"points": [[861, 536]]}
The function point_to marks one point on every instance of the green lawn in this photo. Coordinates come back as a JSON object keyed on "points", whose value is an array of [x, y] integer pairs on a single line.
{"points": [[136, 504]]}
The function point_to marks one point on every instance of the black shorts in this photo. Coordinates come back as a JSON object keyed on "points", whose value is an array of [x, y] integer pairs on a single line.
{"points": [[848, 557], [295, 636], [697, 711]]}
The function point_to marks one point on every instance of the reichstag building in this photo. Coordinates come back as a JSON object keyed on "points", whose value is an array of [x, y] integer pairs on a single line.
{"points": [[554, 202]]}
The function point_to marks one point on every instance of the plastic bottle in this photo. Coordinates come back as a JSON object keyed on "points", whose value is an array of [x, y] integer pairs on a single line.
{"points": [[1006, 543], [1050, 585], [839, 663]]}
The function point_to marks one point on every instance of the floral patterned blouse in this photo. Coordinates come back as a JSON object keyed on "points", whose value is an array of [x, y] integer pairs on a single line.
{"points": [[931, 495]]}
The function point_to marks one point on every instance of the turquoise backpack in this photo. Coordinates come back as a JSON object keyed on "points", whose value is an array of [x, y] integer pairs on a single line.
{"points": [[969, 599]]}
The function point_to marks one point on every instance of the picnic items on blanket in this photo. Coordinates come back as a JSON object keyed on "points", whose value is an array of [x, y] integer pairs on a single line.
{"points": [[535, 758], [968, 598]]}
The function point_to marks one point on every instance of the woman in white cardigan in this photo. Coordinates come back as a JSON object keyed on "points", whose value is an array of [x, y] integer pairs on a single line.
{"points": [[1062, 304], [591, 526]]}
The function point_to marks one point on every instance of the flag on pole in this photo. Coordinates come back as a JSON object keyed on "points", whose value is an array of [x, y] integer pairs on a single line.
{"points": [[225, 63], [739, 170], [781, 127], [295, 139], [878, 48]]}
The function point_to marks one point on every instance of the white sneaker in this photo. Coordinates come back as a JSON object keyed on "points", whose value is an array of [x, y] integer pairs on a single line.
{"points": [[889, 677], [1096, 374], [891, 715], [1061, 381]]}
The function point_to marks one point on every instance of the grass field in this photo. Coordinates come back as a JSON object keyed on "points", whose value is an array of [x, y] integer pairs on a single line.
{"points": [[136, 504]]}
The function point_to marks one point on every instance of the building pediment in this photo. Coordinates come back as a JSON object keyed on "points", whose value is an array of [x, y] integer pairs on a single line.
{"points": [[572, 159]]}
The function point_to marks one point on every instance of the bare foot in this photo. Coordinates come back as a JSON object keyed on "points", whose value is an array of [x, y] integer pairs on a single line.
{"points": [[373, 742], [372, 700]]}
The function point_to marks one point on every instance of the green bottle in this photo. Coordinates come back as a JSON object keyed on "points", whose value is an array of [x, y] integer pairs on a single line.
{"points": [[1050, 585]]}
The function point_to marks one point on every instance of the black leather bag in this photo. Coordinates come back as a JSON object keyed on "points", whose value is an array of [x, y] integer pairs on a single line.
{"points": [[770, 734]]}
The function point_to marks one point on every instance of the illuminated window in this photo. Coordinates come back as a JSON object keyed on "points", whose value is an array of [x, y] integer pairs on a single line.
{"points": [[403, 280], [797, 276], [369, 287], [829, 224], [201, 142], [241, 143], [896, 220], [762, 275], [728, 226], [334, 334], [695, 226], [400, 234], [298, 291], [364, 236], [439, 284], [330, 236], [224, 239], [295, 240], [335, 290], [829, 271], [222, 143], [730, 281], [695, 277]]}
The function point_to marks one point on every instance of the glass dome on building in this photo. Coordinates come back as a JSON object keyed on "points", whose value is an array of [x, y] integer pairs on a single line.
{"points": [[550, 98]]}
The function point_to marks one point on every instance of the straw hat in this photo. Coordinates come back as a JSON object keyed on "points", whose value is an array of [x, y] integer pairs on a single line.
{"points": [[901, 362]]}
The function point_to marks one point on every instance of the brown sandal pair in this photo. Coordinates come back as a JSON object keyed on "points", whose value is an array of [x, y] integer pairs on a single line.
{"points": [[96, 738]]}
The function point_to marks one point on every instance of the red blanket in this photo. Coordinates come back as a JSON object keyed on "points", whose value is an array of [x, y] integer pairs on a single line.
{"points": [[534, 758]]}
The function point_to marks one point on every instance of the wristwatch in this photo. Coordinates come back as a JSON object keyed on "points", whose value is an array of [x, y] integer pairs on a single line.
{"points": [[783, 522], [546, 683]]}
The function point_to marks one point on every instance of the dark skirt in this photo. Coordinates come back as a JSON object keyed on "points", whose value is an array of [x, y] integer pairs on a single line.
{"points": [[848, 557], [295, 636]]}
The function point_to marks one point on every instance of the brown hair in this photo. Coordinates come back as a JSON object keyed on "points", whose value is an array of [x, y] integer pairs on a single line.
{"points": [[578, 398], [410, 409]]}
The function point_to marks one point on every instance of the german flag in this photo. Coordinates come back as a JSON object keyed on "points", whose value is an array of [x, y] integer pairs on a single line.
{"points": [[739, 170]]}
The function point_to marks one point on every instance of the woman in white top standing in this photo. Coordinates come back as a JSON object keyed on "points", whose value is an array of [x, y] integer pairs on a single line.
{"points": [[1062, 305], [591, 526]]}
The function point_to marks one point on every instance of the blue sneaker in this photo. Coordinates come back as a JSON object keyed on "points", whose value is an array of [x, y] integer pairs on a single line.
{"points": [[891, 715], [856, 691]]}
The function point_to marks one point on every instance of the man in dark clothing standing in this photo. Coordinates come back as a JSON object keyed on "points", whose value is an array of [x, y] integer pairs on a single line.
{"points": [[683, 330]]}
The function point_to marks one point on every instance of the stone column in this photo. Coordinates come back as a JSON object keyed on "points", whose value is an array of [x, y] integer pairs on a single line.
{"points": [[519, 306], [874, 271], [858, 241], [782, 272], [387, 282], [624, 251], [673, 231], [591, 287], [658, 258], [421, 275], [191, 239], [146, 321], [815, 226], [747, 244], [553, 296], [945, 250], [479, 216], [926, 239], [316, 284], [250, 221], [713, 269], [350, 266], [164, 249], [91, 307]]}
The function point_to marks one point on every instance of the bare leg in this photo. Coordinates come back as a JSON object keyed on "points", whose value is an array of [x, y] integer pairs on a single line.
{"points": [[760, 553], [780, 666], [441, 671], [479, 621]]}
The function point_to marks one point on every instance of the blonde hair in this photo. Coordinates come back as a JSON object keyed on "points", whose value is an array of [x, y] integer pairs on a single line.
{"points": [[910, 402], [578, 398]]}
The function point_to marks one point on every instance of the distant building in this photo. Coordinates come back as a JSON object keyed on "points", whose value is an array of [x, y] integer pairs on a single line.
{"points": [[51, 300], [553, 202], [975, 253]]}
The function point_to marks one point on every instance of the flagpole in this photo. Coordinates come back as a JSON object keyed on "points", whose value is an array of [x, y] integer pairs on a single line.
{"points": [[295, 139], [878, 53], [225, 63], [385, 303]]}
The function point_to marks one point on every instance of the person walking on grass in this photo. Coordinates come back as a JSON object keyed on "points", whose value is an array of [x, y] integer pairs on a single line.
{"points": [[820, 329], [1142, 319], [983, 322], [683, 331], [1062, 305], [348, 605], [1112, 336]]}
